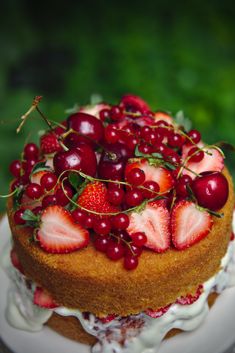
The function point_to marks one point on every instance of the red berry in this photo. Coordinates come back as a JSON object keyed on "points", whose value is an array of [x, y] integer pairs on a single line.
{"points": [[18, 217], [102, 226], [181, 186], [89, 221], [79, 216], [104, 114], [48, 181], [111, 134], [194, 135], [139, 238], [122, 234], [63, 196], [28, 165], [37, 210], [31, 151], [16, 184], [130, 262], [116, 113], [34, 191], [133, 250], [153, 188], [101, 242], [115, 195], [15, 168], [145, 148], [49, 200], [196, 155], [135, 176], [175, 140], [132, 142], [134, 197], [115, 251], [120, 221]]}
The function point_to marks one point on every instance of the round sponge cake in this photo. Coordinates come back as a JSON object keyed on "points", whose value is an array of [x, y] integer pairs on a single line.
{"points": [[87, 280]]}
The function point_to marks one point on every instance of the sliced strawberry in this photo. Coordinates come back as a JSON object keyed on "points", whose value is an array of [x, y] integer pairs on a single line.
{"points": [[94, 198], [163, 116], [189, 224], [157, 313], [15, 261], [160, 175], [58, 233], [212, 163], [36, 177], [190, 298], [154, 221], [108, 318], [94, 109], [43, 299], [49, 143], [129, 102]]}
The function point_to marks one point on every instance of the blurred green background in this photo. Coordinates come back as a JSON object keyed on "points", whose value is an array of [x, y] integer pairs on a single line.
{"points": [[176, 55]]}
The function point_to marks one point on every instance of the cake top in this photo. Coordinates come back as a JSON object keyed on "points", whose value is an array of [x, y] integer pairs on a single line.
{"points": [[121, 177]]}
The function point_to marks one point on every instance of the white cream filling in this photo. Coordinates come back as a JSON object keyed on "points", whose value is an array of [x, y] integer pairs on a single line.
{"points": [[137, 333]]}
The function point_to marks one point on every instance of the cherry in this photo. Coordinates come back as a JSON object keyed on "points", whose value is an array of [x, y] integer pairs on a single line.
{"points": [[134, 197], [75, 140], [115, 195], [34, 191], [135, 176], [48, 181], [49, 200], [130, 262], [102, 226], [115, 251], [61, 197], [87, 125], [211, 190], [101, 243], [195, 155], [139, 239], [15, 168], [153, 188], [120, 221], [18, 217], [31, 151], [194, 135], [80, 158]]}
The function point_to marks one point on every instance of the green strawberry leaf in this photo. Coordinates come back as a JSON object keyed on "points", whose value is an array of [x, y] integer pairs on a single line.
{"points": [[75, 180]]}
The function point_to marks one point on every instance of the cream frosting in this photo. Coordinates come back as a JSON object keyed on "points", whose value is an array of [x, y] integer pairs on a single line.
{"points": [[137, 333]]}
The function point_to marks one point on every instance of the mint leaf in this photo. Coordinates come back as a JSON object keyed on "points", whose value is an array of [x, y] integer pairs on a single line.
{"points": [[28, 215]]}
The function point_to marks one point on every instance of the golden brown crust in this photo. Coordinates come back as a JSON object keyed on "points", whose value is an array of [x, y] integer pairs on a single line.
{"points": [[89, 281], [70, 327]]}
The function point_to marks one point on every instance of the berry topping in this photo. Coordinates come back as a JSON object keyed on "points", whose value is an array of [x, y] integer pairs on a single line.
{"points": [[58, 233], [154, 222], [43, 299], [49, 143], [157, 313], [211, 190], [134, 103], [190, 298], [189, 224]]}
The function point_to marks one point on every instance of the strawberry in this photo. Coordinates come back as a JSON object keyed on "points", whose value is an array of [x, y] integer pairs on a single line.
{"points": [[43, 299], [58, 233], [157, 313], [154, 221], [163, 116], [129, 102], [49, 143], [94, 109], [158, 174], [212, 163], [15, 260], [107, 318], [94, 198], [189, 224]]}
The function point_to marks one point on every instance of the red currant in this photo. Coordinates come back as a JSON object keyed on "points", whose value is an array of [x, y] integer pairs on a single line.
{"points": [[34, 191], [116, 113], [195, 136], [15, 168], [122, 234], [115, 195], [133, 250], [89, 221], [175, 140], [145, 148], [31, 151], [135, 176], [115, 251], [181, 186], [101, 242], [49, 200], [48, 181], [153, 188], [102, 226], [120, 221], [104, 114], [134, 197], [130, 262], [79, 216], [111, 134], [132, 142], [63, 196], [139, 239], [195, 155], [18, 217]]}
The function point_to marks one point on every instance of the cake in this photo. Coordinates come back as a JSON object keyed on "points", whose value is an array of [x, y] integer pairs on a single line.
{"points": [[122, 227]]}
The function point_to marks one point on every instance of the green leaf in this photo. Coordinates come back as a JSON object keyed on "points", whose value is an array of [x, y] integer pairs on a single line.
{"points": [[72, 206], [39, 167], [154, 162], [138, 153], [181, 120], [17, 197], [29, 216], [170, 166], [157, 155], [75, 180]]}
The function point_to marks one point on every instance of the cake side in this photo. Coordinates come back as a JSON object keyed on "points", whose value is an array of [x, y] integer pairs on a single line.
{"points": [[89, 281]]}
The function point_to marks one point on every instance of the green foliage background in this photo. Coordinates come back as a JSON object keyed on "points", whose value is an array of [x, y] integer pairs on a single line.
{"points": [[175, 55]]}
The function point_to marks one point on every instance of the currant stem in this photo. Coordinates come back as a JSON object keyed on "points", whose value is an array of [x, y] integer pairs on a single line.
{"points": [[34, 106]]}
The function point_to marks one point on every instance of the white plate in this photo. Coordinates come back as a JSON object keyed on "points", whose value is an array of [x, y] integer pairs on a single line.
{"points": [[215, 335]]}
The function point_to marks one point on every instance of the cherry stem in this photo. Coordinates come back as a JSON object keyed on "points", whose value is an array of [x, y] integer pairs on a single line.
{"points": [[34, 106]]}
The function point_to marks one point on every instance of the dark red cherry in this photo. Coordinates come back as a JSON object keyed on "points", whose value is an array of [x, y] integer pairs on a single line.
{"points": [[211, 190], [74, 140], [80, 158], [87, 125]]}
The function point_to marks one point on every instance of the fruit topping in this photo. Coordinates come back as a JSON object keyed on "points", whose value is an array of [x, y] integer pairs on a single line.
{"points": [[154, 222], [190, 298], [157, 313], [58, 233], [43, 299], [134, 103], [189, 224], [49, 143]]}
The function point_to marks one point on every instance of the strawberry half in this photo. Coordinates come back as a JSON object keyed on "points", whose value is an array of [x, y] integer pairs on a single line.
{"points": [[49, 143], [43, 299], [94, 198], [15, 261], [189, 224], [212, 163], [154, 221], [129, 102], [158, 174], [163, 116], [58, 233]]}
